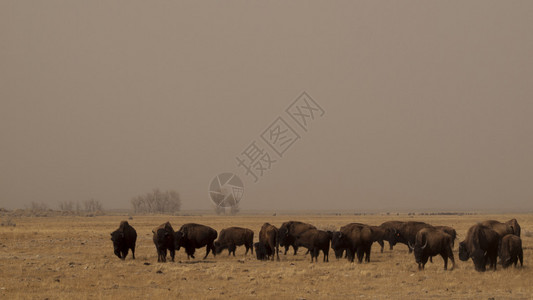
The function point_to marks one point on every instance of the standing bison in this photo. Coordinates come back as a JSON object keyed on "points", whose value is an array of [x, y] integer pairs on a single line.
{"points": [[124, 238], [449, 230], [480, 244], [511, 251], [164, 240], [315, 241], [355, 238], [268, 239], [391, 229], [289, 231], [430, 242], [192, 236], [232, 237], [406, 233], [502, 229]]}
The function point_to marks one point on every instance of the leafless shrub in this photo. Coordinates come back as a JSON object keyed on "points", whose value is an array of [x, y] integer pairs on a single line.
{"points": [[7, 222], [66, 206], [157, 202], [92, 206], [38, 207]]}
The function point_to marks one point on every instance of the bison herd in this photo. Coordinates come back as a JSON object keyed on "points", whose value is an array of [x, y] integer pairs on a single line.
{"points": [[484, 242]]}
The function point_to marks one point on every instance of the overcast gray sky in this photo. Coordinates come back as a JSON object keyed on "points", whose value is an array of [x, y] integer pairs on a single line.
{"points": [[428, 104]]}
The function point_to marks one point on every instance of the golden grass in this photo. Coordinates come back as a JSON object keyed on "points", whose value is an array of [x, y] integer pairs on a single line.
{"points": [[72, 258]]}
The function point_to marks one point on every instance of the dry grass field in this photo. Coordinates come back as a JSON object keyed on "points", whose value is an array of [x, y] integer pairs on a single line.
{"points": [[72, 258]]}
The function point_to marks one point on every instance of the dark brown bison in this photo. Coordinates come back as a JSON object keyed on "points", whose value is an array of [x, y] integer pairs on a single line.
{"points": [[315, 240], [192, 236], [502, 229], [289, 231], [430, 242], [355, 238], [480, 244], [391, 229], [449, 230], [124, 238], [268, 237], [511, 251], [232, 237], [406, 234], [514, 226], [164, 240]]}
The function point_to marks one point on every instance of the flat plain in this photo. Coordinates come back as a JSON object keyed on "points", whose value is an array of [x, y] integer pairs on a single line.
{"points": [[72, 258]]}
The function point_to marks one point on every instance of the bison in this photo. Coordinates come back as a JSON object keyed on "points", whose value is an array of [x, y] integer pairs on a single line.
{"points": [[391, 229], [192, 236], [124, 238], [511, 251], [480, 244], [502, 229], [164, 240], [406, 233], [315, 240], [289, 231], [449, 230], [430, 242], [268, 237], [355, 238], [232, 237]]}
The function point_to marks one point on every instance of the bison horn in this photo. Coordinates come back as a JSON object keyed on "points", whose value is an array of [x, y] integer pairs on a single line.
{"points": [[425, 244], [410, 246]]}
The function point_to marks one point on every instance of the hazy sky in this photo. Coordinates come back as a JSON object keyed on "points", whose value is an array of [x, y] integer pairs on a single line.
{"points": [[428, 104]]}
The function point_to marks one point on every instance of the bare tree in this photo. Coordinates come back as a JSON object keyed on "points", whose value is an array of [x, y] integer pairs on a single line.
{"points": [[92, 206], [67, 206], [157, 202]]}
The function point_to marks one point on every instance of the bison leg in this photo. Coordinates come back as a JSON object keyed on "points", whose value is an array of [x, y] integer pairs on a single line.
{"points": [[360, 254], [207, 248], [445, 257], [295, 248], [286, 249], [450, 255], [521, 257], [380, 242], [390, 246], [172, 254], [133, 252]]}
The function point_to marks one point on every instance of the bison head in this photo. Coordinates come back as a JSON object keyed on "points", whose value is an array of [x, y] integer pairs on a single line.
{"points": [[118, 242], [480, 260], [284, 236], [260, 251], [179, 239], [390, 235], [463, 252], [218, 247], [421, 257]]}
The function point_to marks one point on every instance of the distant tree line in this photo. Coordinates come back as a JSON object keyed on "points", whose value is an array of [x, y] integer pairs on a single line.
{"points": [[157, 202]]}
